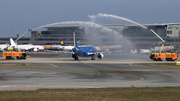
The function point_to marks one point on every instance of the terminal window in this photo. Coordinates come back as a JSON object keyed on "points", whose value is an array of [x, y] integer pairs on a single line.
{"points": [[169, 32]]}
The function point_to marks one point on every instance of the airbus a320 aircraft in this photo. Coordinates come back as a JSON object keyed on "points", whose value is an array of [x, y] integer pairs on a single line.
{"points": [[85, 51]]}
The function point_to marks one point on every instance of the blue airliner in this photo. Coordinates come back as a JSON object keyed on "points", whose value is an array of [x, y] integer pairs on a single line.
{"points": [[85, 51]]}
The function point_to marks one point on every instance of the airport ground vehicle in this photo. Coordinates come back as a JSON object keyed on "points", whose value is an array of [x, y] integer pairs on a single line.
{"points": [[158, 56], [14, 54], [166, 56]]}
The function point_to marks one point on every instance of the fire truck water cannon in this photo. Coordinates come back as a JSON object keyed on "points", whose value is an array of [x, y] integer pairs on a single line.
{"points": [[16, 54], [159, 38], [159, 56], [22, 35]]}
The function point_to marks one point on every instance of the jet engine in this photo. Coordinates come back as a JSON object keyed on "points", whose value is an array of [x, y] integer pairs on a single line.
{"points": [[35, 49], [74, 49], [100, 55]]}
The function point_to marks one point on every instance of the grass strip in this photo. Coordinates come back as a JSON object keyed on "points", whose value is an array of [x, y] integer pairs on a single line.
{"points": [[94, 94]]}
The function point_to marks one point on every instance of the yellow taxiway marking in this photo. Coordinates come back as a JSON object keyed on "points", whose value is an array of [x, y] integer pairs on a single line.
{"points": [[131, 75], [53, 65]]}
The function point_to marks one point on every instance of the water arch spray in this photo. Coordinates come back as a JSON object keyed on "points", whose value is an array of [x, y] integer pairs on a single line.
{"points": [[93, 17], [93, 32]]}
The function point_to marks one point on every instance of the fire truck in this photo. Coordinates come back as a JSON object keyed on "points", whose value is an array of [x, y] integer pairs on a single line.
{"points": [[10, 54], [159, 56], [14, 54], [166, 56]]}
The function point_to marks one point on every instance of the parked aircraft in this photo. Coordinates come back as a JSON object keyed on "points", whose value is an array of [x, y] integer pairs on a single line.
{"points": [[85, 51], [37, 47], [64, 47], [25, 47], [3, 47]]}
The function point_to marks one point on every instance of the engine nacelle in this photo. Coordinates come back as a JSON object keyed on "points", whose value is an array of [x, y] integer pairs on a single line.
{"points": [[100, 55], [35, 49], [74, 49]]}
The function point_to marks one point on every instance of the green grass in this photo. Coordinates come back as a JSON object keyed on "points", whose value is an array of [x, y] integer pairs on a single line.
{"points": [[94, 94]]}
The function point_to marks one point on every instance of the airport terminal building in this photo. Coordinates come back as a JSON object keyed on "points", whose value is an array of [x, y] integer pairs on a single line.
{"points": [[136, 35]]}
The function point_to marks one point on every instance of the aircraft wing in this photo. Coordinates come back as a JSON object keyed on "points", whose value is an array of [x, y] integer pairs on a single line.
{"points": [[67, 48], [68, 52], [91, 53], [25, 47], [3, 47]]}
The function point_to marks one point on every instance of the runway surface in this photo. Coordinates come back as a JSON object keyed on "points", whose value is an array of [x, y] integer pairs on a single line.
{"points": [[57, 70]]}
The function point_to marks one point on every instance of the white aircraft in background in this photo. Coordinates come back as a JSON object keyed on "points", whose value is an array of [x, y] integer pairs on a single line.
{"points": [[25, 47], [66, 48], [3, 47]]}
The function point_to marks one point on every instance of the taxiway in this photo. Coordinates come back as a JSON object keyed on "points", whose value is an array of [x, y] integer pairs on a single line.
{"points": [[57, 70]]}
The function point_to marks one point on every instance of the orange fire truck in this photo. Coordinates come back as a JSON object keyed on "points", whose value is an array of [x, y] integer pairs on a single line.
{"points": [[159, 56], [166, 56], [13, 55]]}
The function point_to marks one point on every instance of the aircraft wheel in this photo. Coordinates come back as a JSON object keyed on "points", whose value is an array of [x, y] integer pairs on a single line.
{"points": [[75, 57], [93, 58]]}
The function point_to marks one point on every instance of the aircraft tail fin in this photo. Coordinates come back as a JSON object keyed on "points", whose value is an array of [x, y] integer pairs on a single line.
{"points": [[74, 39], [62, 42], [12, 42]]}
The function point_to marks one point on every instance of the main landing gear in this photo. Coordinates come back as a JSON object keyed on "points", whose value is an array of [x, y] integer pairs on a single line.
{"points": [[92, 57], [75, 56]]}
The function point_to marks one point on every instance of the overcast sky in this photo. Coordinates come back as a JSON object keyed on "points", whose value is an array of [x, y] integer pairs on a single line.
{"points": [[17, 16]]}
